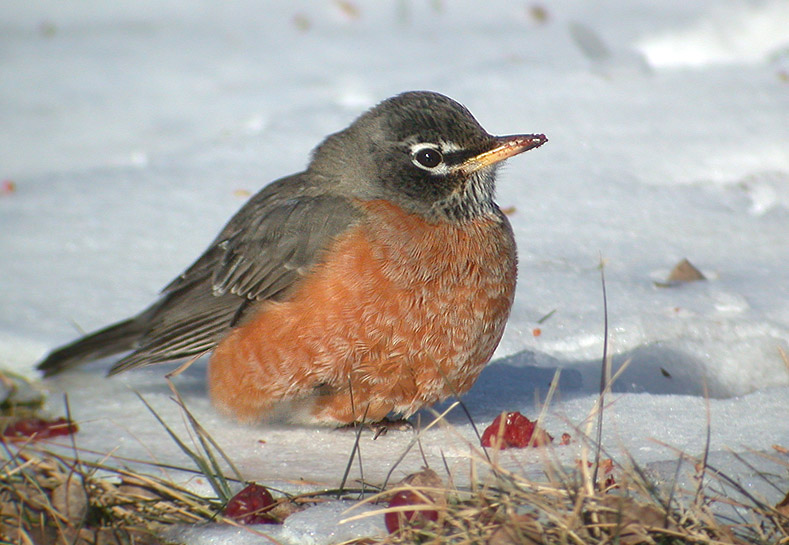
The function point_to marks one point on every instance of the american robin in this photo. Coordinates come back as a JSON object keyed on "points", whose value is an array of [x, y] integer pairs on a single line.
{"points": [[377, 281]]}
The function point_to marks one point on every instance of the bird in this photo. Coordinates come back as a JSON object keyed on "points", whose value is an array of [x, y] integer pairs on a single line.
{"points": [[376, 282]]}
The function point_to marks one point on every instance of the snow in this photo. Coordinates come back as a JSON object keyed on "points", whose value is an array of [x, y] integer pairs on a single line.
{"points": [[331, 522], [132, 134]]}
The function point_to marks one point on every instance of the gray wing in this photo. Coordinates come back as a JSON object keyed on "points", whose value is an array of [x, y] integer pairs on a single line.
{"points": [[261, 254]]}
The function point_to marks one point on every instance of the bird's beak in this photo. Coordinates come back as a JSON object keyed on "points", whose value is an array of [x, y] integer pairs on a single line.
{"points": [[506, 146]]}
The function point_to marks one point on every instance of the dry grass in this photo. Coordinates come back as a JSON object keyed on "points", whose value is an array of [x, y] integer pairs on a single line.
{"points": [[510, 509], [63, 499], [46, 498]]}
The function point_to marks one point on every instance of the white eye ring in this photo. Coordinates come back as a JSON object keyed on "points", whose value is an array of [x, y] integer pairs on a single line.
{"points": [[428, 157]]}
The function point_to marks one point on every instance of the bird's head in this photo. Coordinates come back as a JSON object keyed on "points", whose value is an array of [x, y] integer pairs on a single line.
{"points": [[422, 151]]}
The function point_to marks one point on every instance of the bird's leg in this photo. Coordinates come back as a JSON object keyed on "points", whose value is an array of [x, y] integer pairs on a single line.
{"points": [[383, 426], [380, 427]]}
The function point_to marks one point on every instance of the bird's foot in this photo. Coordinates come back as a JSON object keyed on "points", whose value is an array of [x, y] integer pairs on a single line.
{"points": [[380, 427]]}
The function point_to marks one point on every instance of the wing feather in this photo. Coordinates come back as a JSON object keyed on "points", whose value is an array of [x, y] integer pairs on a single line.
{"points": [[261, 254]]}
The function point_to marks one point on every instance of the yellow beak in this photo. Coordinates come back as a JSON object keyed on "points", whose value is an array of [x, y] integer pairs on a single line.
{"points": [[506, 147]]}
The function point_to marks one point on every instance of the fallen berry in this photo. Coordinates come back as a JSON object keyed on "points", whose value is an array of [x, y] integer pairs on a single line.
{"points": [[251, 506], [38, 428], [517, 432], [395, 519]]}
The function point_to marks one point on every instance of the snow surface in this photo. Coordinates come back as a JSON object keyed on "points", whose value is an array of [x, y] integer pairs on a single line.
{"points": [[132, 132]]}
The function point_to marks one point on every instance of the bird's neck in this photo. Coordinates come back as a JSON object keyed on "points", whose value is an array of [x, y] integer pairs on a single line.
{"points": [[472, 200]]}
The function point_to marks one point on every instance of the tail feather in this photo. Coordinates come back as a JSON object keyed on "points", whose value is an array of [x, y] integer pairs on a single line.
{"points": [[111, 340], [185, 323]]}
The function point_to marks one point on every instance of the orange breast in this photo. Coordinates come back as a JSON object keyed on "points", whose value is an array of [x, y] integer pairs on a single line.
{"points": [[401, 314]]}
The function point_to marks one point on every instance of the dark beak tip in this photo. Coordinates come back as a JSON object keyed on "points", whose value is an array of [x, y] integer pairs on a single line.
{"points": [[539, 139], [526, 141]]}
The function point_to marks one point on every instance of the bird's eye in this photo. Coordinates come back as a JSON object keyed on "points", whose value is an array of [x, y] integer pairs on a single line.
{"points": [[428, 157]]}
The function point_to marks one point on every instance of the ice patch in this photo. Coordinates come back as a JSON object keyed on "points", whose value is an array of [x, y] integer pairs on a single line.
{"points": [[323, 524], [767, 191], [330, 522], [741, 32]]}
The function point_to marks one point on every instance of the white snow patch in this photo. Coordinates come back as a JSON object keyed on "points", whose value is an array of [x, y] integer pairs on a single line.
{"points": [[732, 32]]}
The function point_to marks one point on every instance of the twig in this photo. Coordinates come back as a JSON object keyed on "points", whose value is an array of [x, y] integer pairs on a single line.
{"points": [[604, 374]]}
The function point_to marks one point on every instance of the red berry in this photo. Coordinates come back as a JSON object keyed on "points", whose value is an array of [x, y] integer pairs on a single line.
{"points": [[251, 506], [518, 431], [420, 517], [38, 428]]}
